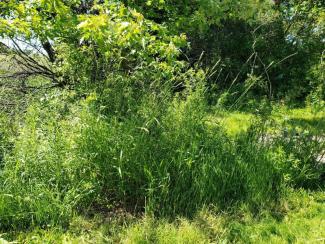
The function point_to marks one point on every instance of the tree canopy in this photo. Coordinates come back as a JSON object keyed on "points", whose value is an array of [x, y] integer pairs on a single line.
{"points": [[268, 40]]}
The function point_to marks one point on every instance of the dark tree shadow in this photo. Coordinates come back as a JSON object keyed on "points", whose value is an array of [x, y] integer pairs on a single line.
{"points": [[315, 125]]}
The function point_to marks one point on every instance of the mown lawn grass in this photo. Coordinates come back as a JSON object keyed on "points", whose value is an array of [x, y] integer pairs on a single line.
{"points": [[301, 118], [236, 122], [299, 219], [233, 122]]}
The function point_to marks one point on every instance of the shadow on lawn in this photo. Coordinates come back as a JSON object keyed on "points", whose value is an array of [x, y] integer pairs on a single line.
{"points": [[316, 125]]}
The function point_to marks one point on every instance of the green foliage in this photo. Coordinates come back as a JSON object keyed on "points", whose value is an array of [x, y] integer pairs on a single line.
{"points": [[300, 154], [130, 127], [248, 38]]}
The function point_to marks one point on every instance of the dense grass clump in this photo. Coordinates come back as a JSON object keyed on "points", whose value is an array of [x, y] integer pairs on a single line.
{"points": [[35, 177], [161, 158], [175, 164], [154, 152]]}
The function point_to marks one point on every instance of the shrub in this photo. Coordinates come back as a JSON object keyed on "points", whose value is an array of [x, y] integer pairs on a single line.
{"points": [[299, 156]]}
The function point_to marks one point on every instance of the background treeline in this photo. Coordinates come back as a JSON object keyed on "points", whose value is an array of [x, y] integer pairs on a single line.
{"points": [[280, 43], [267, 48]]}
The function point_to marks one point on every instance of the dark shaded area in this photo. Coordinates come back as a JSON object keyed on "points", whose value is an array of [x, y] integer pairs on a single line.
{"points": [[316, 125]]}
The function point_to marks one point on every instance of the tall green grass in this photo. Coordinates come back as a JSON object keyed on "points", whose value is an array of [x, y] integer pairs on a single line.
{"points": [[154, 153], [171, 163]]}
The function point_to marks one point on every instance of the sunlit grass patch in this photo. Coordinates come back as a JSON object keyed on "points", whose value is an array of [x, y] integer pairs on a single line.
{"points": [[303, 223], [232, 122], [301, 119], [235, 122], [300, 219]]}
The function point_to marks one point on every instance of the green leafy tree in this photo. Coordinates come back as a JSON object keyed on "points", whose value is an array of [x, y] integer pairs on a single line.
{"points": [[84, 42]]}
